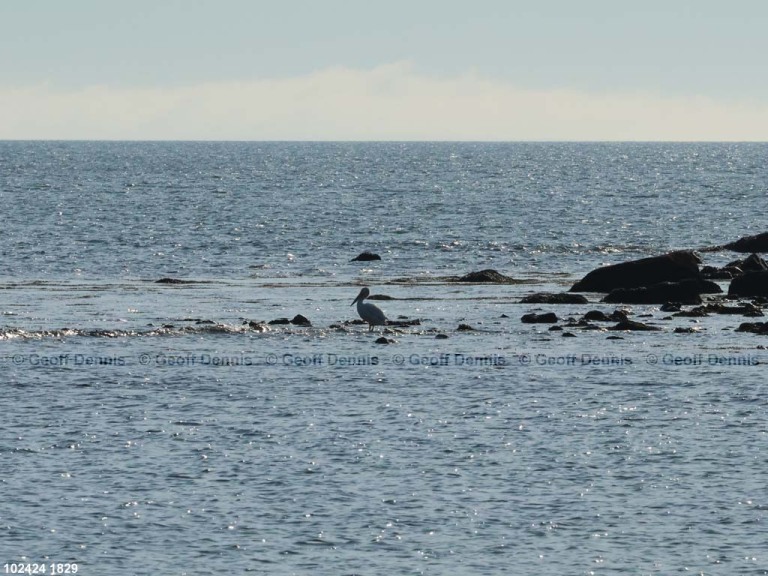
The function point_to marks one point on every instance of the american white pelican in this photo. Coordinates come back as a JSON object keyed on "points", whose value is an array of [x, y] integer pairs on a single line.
{"points": [[369, 312]]}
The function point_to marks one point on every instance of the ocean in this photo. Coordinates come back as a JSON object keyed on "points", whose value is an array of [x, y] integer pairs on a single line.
{"points": [[187, 427]]}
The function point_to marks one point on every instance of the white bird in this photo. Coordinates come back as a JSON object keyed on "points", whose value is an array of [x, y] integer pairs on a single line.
{"points": [[369, 312]]}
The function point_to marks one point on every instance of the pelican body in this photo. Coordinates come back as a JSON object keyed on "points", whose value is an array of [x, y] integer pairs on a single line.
{"points": [[369, 312]]}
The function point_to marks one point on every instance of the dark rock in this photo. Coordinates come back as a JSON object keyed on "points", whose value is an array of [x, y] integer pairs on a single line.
{"points": [[747, 309], [709, 287], [697, 312], [584, 325], [544, 318], [280, 321], [568, 335], [689, 330], [366, 257], [464, 328], [753, 327], [172, 281], [619, 316], [404, 323], [713, 273], [632, 325], [752, 263], [555, 328], [752, 284], [548, 298], [597, 316], [441, 337], [671, 307], [300, 320], [685, 292], [672, 267], [383, 340], [489, 276], [756, 243], [258, 326]]}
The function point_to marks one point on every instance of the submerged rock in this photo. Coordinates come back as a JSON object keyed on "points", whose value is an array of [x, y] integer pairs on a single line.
{"points": [[465, 328], [403, 322], [672, 267], [686, 292], [582, 324], [549, 298], [279, 321], [172, 281], [366, 257], [490, 276], [380, 297]]}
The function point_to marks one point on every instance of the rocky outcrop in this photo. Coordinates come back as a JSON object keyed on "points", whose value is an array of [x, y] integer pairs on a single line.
{"points": [[672, 267], [746, 309], [753, 284], [756, 243], [752, 263], [753, 327]]}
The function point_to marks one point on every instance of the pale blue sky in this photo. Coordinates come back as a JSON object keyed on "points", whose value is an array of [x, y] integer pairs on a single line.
{"points": [[588, 69]]}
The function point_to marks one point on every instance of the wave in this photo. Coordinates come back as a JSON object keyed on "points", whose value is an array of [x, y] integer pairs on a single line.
{"points": [[9, 333]]}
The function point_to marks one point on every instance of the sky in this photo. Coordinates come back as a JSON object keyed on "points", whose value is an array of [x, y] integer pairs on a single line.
{"points": [[481, 70]]}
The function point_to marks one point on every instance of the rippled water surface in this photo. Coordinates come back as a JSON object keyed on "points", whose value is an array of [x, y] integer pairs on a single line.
{"points": [[157, 428]]}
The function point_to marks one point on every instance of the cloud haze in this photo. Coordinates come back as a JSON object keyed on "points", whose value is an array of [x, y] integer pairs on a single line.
{"points": [[390, 102]]}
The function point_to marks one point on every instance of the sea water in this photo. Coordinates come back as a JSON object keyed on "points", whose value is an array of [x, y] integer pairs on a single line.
{"points": [[168, 428]]}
